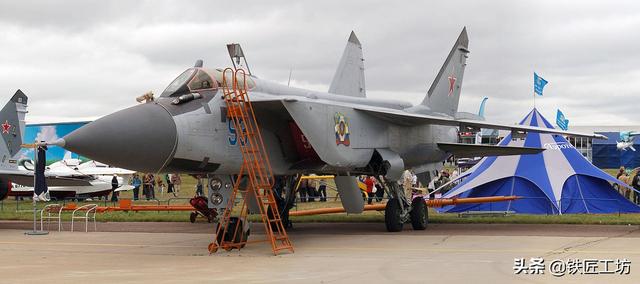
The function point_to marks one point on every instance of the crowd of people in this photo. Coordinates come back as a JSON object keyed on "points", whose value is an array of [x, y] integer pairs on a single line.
{"points": [[309, 190], [149, 183], [632, 178]]}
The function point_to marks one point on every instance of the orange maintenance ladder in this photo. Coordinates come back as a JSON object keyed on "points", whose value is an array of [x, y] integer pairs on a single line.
{"points": [[256, 167]]}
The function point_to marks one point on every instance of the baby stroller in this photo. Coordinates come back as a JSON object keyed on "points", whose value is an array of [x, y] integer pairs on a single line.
{"points": [[200, 203]]}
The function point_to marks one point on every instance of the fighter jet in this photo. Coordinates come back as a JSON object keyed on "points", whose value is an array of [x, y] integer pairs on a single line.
{"points": [[69, 178], [339, 132], [16, 176]]}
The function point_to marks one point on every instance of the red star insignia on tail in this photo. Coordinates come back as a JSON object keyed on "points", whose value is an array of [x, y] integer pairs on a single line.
{"points": [[6, 127], [452, 82]]}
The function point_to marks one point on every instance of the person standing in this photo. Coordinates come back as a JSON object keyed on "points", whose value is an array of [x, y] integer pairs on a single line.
{"points": [[152, 186], [379, 190], [146, 187], [177, 181], [636, 184], [114, 186], [167, 178], [199, 186], [369, 183], [407, 178], [311, 190], [621, 172], [304, 184], [322, 190], [160, 183], [135, 182]]}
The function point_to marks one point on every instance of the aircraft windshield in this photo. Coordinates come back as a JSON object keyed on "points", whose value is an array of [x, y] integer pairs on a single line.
{"points": [[178, 83], [201, 81]]}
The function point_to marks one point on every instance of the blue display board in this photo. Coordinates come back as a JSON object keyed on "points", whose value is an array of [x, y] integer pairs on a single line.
{"points": [[49, 132], [607, 156]]}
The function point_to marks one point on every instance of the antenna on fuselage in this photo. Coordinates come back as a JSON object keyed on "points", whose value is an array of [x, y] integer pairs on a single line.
{"points": [[289, 81], [237, 57]]}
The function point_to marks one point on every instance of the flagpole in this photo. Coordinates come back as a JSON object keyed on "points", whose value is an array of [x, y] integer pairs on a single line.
{"points": [[35, 231]]}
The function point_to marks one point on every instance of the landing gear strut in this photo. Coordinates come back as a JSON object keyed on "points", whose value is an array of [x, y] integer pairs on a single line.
{"points": [[398, 208], [399, 211]]}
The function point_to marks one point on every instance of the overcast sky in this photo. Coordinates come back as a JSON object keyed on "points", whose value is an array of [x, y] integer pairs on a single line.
{"points": [[81, 59]]}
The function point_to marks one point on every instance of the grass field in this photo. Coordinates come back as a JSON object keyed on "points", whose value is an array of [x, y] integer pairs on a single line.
{"points": [[8, 212]]}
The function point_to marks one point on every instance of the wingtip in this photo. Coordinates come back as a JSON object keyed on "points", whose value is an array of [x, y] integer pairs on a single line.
{"points": [[353, 38], [463, 39]]}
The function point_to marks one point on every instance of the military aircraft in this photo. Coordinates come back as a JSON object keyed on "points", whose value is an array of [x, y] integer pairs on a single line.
{"points": [[16, 176], [339, 132], [91, 179]]}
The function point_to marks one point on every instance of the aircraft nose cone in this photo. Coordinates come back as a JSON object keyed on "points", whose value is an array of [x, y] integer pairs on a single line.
{"points": [[140, 138]]}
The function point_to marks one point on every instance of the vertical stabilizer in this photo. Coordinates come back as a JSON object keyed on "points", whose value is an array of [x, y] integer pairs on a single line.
{"points": [[482, 104], [12, 129], [444, 94], [349, 77]]}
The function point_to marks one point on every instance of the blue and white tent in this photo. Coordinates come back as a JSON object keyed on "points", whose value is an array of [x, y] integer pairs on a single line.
{"points": [[557, 181]]}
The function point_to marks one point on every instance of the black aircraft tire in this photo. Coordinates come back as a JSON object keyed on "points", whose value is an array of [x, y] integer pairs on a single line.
{"points": [[392, 215], [193, 217], [419, 214]]}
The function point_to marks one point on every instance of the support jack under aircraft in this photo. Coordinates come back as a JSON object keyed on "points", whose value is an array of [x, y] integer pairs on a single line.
{"points": [[339, 132]]}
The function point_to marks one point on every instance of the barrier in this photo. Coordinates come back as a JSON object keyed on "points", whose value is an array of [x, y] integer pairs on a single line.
{"points": [[89, 209], [51, 208]]}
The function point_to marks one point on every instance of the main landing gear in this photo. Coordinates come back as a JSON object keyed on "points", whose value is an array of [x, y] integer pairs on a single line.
{"points": [[399, 211]]}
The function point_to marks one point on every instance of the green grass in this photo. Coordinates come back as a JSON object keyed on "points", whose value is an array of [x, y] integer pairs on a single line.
{"points": [[8, 212]]}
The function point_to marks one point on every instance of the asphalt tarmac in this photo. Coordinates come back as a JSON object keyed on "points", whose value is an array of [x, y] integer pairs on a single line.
{"points": [[325, 253]]}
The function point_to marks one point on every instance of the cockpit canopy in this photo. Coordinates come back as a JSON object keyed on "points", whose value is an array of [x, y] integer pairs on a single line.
{"points": [[191, 80]]}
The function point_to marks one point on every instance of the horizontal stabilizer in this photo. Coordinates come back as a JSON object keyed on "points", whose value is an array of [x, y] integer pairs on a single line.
{"points": [[471, 150]]}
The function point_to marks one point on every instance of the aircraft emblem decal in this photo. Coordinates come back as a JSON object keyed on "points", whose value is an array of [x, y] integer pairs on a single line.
{"points": [[342, 129], [6, 127], [452, 81]]}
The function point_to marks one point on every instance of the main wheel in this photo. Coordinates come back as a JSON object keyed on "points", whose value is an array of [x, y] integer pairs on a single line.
{"points": [[392, 218], [419, 214], [193, 217]]}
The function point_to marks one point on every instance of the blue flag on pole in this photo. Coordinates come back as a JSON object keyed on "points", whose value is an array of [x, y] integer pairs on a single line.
{"points": [[561, 121], [538, 84]]}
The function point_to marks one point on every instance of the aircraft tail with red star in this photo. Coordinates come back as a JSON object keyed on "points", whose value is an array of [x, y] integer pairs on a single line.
{"points": [[444, 94], [12, 129]]}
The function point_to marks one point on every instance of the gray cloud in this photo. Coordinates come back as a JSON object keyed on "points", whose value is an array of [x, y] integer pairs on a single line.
{"points": [[87, 58]]}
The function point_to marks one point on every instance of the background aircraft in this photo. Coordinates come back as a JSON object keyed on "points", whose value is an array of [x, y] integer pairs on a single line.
{"points": [[91, 179], [340, 132], [66, 178]]}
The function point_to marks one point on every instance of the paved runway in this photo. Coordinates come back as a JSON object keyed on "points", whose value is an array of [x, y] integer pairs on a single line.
{"points": [[325, 253]]}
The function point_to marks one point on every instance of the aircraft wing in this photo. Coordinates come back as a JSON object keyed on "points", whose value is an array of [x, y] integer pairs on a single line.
{"points": [[26, 179], [471, 150], [410, 119], [401, 117]]}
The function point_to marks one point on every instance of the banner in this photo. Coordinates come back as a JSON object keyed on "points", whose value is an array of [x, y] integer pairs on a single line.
{"points": [[561, 121], [40, 189], [538, 84]]}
